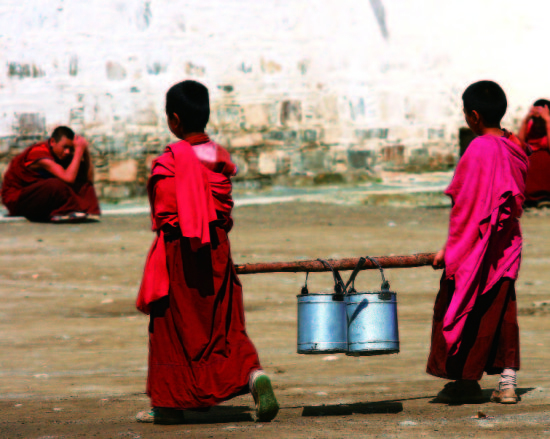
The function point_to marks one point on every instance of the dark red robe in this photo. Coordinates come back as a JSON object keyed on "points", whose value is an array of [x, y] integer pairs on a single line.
{"points": [[38, 195], [199, 352], [538, 176]]}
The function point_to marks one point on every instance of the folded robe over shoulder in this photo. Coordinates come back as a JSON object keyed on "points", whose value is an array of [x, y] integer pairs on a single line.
{"points": [[200, 192], [485, 242]]}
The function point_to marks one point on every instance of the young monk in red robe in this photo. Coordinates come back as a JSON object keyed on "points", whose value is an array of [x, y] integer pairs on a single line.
{"points": [[475, 326], [52, 181], [535, 130], [199, 352]]}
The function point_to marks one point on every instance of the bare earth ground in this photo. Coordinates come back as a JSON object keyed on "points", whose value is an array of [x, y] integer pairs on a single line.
{"points": [[74, 349]]}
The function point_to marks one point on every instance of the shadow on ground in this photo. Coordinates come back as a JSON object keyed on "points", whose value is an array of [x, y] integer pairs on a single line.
{"points": [[362, 408], [486, 396], [219, 415]]}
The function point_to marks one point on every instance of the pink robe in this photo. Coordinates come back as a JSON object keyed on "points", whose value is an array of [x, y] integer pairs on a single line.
{"points": [[484, 243]]}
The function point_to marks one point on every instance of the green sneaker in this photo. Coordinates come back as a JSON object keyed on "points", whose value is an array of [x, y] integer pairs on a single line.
{"points": [[267, 406]]}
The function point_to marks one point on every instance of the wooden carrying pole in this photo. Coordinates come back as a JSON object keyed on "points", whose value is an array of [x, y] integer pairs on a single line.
{"points": [[408, 261]]}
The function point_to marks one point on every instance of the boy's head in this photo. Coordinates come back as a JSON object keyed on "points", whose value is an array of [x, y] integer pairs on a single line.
{"points": [[542, 103], [62, 142], [187, 107], [484, 105], [538, 128]]}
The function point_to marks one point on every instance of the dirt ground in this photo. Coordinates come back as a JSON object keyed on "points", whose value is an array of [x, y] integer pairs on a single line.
{"points": [[74, 350]]}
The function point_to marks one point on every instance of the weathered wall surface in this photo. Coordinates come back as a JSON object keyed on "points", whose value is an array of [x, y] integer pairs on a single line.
{"points": [[299, 89]]}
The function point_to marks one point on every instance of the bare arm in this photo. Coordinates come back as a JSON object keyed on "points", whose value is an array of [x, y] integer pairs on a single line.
{"points": [[544, 113], [67, 175], [522, 135], [88, 160]]}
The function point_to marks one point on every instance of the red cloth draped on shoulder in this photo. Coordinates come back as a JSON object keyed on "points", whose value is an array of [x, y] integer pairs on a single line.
{"points": [[538, 176], [199, 352], [485, 242], [199, 193], [34, 193]]}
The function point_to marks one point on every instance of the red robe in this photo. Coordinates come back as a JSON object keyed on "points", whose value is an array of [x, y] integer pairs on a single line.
{"points": [[38, 195], [199, 352], [538, 177]]}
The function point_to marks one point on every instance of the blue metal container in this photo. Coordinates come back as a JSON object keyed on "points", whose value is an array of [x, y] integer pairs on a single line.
{"points": [[322, 324], [372, 323]]}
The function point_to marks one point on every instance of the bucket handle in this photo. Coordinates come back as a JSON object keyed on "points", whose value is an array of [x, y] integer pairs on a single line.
{"points": [[354, 274], [305, 291], [385, 284], [339, 287]]}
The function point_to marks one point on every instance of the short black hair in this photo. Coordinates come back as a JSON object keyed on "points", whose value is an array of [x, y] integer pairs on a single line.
{"points": [[61, 132], [190, 101], [488, 99], [542, 103]]}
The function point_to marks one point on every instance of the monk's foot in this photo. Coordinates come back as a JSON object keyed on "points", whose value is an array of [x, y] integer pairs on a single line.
{"points": [[267, 406], [162, 416], [461, 392], [72, 217], [505, 396], [92, 218]]}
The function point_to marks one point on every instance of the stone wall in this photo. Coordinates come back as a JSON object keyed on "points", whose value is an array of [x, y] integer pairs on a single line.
{"points": [[301, 92]]}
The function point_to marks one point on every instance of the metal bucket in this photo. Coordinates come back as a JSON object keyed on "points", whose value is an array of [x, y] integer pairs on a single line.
{"points": [[322, 324], [372, 323], [322, 321], [372, 318]]}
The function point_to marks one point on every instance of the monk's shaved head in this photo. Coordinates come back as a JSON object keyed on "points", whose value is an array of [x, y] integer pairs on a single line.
{"points": [[61, 132], [488, 99], [542, 103], [190, 101]]}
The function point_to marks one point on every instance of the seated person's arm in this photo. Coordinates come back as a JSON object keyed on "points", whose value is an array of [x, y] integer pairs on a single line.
{"points": [[67, 175], [87, 159], [544, 113], [522, 135]]}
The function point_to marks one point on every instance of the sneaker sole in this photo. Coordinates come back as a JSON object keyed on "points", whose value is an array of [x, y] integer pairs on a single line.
{"points": [[505, 400], [267, 405]]}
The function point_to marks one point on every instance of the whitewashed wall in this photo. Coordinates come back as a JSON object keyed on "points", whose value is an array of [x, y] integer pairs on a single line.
{"points": [[103, 66]]}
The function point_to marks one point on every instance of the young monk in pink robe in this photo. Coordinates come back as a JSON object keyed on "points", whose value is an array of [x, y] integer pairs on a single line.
{"points": [[475, 326], [199, 352]]}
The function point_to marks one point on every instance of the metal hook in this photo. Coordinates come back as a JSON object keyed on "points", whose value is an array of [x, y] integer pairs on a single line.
{"points": [[385, 284], [339, 287], [304, 288]]}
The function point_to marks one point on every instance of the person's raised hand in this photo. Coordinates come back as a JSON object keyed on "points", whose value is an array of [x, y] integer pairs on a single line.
{"points": [[439, 260], [80, 143], [533, 112], [544, 113]]}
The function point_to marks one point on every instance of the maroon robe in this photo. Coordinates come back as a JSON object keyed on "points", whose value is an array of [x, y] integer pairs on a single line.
{"points": [[199, 352], [38, 195]]}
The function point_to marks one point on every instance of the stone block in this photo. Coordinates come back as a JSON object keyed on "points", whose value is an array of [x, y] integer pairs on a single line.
{"points": [[256, 116], [247, 141], [116, 192], [267, 163], [291, 112], [115, 71], [124, 171], [149, 162], [5, 143]]}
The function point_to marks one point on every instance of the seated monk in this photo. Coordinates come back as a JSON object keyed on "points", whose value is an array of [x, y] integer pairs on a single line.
{"points": [[534, 131], [52, 181]]}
